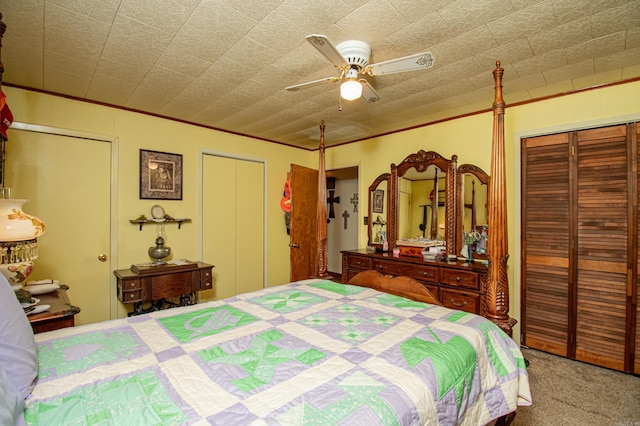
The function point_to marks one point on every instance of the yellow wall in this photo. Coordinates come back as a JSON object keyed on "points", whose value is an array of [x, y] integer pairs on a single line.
{"points": [[470, 139], [135, 131]]}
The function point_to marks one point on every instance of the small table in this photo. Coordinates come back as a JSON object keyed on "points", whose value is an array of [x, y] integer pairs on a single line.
{"points": [[61, 314], [156, 284]]}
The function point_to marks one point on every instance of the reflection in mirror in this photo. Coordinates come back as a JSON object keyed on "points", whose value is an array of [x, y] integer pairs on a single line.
{"points": [[412, 208], [473, 215], [378, 210], [421, 204]]}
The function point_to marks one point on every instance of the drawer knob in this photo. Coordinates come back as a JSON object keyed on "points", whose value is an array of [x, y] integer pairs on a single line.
{"points": [[458, 279], [460, 305], [426, 274]]}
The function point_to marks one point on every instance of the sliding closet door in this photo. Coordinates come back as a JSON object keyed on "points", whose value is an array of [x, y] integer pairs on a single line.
{"points": [[602, 227], [546, 277], [233, 224]]}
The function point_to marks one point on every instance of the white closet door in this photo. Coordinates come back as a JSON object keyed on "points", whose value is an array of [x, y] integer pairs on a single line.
{"points": [[70, 192], [233, 224]]}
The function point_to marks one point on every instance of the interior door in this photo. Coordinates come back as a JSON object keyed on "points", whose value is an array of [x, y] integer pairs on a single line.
{"points": [[233, 224], [70, 192], [304, 200]]}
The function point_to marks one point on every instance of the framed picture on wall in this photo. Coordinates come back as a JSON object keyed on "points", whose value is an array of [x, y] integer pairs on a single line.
{"points": [[160, 175], [378, 201]]}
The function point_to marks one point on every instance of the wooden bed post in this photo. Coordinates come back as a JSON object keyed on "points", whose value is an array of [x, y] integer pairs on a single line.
{"points": [[321, 270], [497, 297]]}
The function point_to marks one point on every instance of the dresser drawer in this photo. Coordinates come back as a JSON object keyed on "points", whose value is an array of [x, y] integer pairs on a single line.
{"points": [[358, 262], [131, 296], [460, 278], [418, 272], [206, 279], [129, 285], [463, 301]]}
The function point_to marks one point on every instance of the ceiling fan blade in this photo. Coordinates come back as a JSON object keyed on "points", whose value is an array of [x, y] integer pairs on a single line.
{"points": [[407, 63], [312, 83], [327, 48], [369, 95]]}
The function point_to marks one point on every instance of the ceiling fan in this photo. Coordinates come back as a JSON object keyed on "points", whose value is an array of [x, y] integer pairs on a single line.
{"points": [[351, 58]]}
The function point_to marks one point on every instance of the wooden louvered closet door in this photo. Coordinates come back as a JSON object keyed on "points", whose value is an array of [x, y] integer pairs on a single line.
{"points": [[545, 242], [602, 245], [579, 239]]}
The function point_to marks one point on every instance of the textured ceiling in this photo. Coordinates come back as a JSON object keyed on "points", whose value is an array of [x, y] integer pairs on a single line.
{"points": [[225, 63]]}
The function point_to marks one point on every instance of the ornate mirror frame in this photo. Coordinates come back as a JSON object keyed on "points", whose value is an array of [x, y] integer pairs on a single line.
{"points": [[484, 179], [421, 160], [372, 222]]}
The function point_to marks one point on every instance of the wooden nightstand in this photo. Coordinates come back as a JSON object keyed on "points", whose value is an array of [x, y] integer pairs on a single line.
{"points": [[60, 315]]}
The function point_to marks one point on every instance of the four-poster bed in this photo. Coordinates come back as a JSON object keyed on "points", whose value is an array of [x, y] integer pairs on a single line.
{"points": [[307, 352]]}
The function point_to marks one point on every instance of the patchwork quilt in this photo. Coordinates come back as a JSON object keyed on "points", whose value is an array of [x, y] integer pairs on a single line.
{"points": [[308, 353]]}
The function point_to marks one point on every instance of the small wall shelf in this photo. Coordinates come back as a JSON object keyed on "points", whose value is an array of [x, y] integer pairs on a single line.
{"points": [[159, 221]]}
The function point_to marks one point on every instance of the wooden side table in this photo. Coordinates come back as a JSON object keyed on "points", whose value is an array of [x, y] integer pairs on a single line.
{"points": [[61, 314]]}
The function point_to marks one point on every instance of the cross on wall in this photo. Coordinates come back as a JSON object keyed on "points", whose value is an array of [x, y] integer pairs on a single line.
{"points": [[331, 199], [345, 215]]}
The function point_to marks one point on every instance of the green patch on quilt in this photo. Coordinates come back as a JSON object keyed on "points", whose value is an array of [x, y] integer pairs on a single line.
{"points": [[360, 391], [260, 359], [134, 400], [398, 302], [205, 322], [453, 361], [288, 300], [499, 359], [79, 353], [456, 316], [343, 289]]}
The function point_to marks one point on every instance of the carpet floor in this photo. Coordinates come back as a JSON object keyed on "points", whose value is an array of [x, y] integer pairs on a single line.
{"points": [[567, 392]]}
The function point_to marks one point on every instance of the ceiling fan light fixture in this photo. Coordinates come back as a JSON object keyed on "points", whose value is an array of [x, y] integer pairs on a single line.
{"points": [[351, 90]]}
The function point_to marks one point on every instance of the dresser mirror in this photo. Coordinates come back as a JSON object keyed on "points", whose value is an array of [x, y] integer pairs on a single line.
{"points": [[422, 203], [378, 210], [472, 217]]}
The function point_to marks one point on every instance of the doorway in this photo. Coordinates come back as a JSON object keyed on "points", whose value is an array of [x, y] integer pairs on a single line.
{"points": [[75, 197], [343, 203]]}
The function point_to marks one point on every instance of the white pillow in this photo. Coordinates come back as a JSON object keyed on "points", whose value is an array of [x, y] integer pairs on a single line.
{"points": [[11, 405], [18, 350]]}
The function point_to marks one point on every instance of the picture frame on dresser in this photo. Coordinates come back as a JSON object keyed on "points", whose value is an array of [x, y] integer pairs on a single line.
{"points": [[160, 175], [378, 201]]}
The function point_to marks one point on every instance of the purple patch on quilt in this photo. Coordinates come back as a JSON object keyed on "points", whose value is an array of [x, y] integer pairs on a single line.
{"points": [[171, 353], [279, 320], [421, 319], [137, 318], [235, 415], [496, 402], [356, 356]]}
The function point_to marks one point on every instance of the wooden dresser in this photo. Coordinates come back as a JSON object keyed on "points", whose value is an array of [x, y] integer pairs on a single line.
{"points": [[457, 284], [159, 283]]}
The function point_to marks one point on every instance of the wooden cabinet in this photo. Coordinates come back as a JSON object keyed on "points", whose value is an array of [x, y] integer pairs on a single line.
{"points": [[158, 283], [580, 245], [457, 284], [61, 312]]}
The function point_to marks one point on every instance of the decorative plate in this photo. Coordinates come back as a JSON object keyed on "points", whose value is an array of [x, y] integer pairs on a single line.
{"points": [[157, 212]]}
